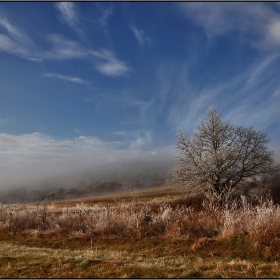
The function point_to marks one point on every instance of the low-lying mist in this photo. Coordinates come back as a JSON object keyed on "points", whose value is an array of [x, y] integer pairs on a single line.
{"points": [[34, 167], [30, 158], [107, 178]]}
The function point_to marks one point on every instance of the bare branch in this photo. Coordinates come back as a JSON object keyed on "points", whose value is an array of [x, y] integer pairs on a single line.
{"points": [[221, 154]]}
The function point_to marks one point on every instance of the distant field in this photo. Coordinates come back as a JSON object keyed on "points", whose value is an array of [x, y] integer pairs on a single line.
{"points": [[152, 234], [126, 197]]}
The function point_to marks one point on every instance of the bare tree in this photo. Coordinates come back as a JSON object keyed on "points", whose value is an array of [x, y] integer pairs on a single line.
{"points": [[221, 154]]}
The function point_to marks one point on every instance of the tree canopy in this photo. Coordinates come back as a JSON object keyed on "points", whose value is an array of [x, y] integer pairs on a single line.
{"points": [[221, 154]]}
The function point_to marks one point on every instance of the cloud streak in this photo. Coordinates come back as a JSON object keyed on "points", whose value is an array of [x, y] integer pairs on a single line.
{"points": [[68, 13], [106, 15], [250, 98], [105, 60], [13, 31], [15, 43], [108, 64], [140, 36], [258, 23], [63, 48], [253, 101], [66, 78]]}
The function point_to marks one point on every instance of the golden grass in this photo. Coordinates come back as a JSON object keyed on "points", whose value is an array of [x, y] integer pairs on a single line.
{"points": [[141, 235], [24, 261]]}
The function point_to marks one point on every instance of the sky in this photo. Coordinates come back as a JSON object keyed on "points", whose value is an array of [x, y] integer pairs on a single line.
{"points": [[90, 84]]}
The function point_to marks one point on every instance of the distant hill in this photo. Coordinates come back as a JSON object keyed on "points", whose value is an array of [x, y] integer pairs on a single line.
{"points": [[51, 192]]}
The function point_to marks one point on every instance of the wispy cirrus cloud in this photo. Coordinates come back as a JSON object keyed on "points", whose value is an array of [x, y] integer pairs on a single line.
{"points": [[14, 32], [106, 15], [66, 78], [108, 64], [258, 23], [248, 99], [140, 36], [68, 13], [256, 102], [63, 48], [10, 46], [17, 43], [105, 60]]}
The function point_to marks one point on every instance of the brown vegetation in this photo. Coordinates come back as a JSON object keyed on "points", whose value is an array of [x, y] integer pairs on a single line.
{"points": [[208, 215], [217, 235]]}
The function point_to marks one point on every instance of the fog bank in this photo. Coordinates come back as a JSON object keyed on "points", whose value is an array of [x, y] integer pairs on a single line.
{"points": [[33, 160]]}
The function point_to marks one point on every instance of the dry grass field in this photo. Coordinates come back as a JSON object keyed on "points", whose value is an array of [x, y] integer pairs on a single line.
{"points": [[156, 234]]}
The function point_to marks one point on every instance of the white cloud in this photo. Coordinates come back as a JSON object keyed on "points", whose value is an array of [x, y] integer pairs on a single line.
{"points": [[68, 13], [108, 64], [15, 41], [256, 73], [136, 140], [140, 36], [62, 48], [249, 98], [256, 104], [105, 15], [257, 22], [142, 140], [104, 60], [18, 43], [10, 46], [13, 31], [274, 31], [66, 78]]}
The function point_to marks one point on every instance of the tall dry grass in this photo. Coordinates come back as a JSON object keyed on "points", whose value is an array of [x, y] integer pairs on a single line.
{"points": [[205, 216]]}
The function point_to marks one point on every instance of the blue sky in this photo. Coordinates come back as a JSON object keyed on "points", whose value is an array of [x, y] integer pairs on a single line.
{"points": [[91, 83]]}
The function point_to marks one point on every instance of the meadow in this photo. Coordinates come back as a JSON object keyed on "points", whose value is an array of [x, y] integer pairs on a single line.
{"points": [[163, 233]]}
